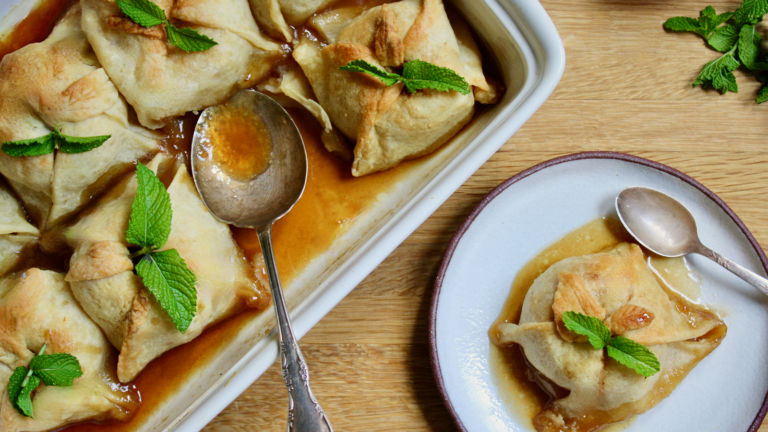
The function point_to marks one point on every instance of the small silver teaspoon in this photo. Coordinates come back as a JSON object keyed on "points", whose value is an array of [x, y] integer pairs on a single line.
{"points": [[665, 227], [257, 201]]}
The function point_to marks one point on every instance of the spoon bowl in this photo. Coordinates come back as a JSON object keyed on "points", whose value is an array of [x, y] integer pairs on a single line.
{"points": [[657, 221], [266, 197], [250, 168], [665, 227]]}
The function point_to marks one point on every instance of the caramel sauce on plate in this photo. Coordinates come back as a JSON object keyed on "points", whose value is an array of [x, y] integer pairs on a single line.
{"points": [[523, 389]]}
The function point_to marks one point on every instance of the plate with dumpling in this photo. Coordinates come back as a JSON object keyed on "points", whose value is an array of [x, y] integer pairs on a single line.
{"points": [[114, 274], [548, 316]]}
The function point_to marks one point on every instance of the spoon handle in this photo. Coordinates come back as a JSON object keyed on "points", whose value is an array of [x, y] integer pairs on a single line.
{"points": [[758, 281], [304, 412]]}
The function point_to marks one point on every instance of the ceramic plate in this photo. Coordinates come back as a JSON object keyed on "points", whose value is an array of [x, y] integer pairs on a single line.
{"points": [[528, 212]]}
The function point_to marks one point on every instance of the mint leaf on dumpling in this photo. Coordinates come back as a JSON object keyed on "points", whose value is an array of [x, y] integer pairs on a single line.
{"points": [[633, 355], [143, 12], [150, 223], [56, 369], [167, 277], [598, 334]]}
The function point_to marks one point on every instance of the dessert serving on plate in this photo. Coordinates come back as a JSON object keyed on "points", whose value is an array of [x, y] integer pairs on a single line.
{"points": [[108, 257], [604, 334]]}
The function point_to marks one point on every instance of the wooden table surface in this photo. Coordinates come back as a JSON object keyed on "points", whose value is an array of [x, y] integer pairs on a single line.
{"points": [[626, 87]]}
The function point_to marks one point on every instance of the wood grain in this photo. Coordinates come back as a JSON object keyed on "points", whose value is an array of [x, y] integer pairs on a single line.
{"points": [[626, 87]]}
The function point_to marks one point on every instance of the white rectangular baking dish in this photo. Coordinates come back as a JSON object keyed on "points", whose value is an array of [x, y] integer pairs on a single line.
{"points": [[531, 59]]}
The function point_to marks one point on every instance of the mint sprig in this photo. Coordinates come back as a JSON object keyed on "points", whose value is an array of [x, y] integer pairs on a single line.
{"points": [[417, 75], [55, 140], [164, 273], [59, 369], [147, 14], [738, 39], [622, 349]]}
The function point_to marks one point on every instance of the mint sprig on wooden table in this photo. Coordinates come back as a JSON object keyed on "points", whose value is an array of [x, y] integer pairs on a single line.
{"points": [[164, 273], [58, 369], [417, 75], [622, 349], [55, 140], [147, 14], [734, 34]]}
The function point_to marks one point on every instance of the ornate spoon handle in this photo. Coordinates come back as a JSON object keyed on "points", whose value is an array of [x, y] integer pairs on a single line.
{"points": [[304, 412]]}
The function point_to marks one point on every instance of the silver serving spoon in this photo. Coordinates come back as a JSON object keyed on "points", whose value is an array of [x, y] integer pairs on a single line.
{"points": [[257, 203], [665, 227]]}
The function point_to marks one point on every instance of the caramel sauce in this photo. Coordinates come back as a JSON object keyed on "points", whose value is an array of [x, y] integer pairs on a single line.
{"points": [[35, 27], [524, 390], [238, 141], [332, 200]]}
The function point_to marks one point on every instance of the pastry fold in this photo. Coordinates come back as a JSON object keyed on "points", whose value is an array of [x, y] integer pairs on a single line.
{"points": [[15, 231]]}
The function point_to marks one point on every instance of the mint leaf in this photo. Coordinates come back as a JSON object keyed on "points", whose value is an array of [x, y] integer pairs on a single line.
{"points": [[762, 94], [147, 14], [363, 66], [47, 144], [14, 386], [56, 369], [142, 12], [31, 147], [419, 74], [751, 12], [710, 20], [599, 334], [749, 46], [24, 399], [706, 25], [684, 24], [71, 144], [719, 74], [188, 39], [633, 355], [150, 223], [167, 277], [724, 38]]}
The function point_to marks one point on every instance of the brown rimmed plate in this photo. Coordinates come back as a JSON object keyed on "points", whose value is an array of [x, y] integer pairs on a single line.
{"points": [[727, 391]]}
